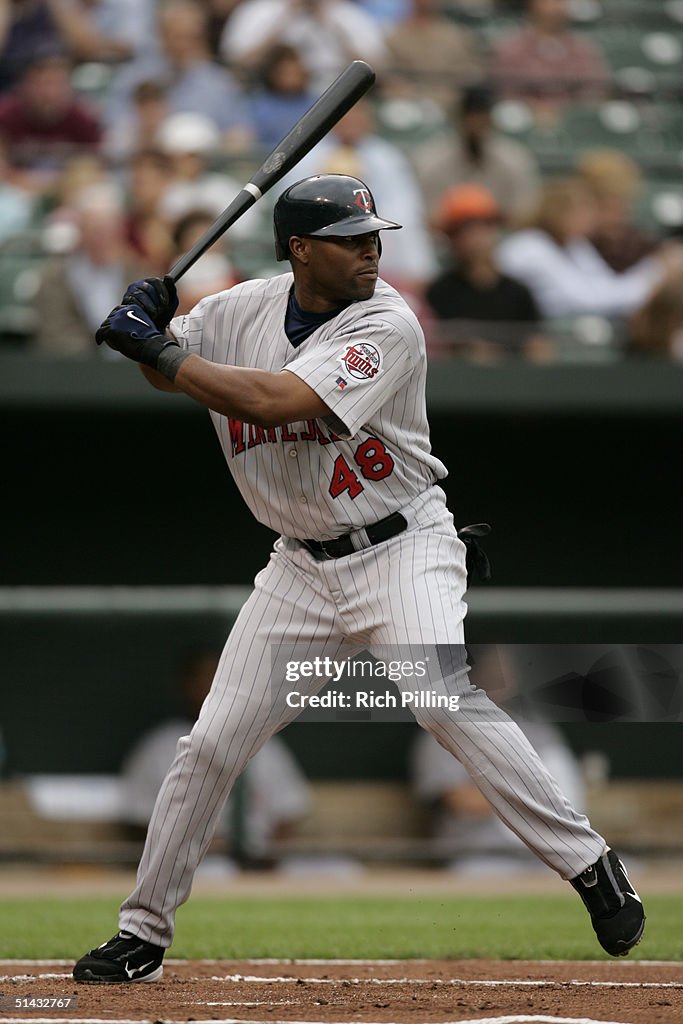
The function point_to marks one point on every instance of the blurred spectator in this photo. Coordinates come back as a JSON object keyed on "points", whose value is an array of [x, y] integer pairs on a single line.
{"points": [[27, 30], [77, 290], [430, 57], [275, 792], [546, 64], [148, 109], [43, 123], [484, 309], [475, 152], [78, 174], [16, 204], [57, 209], [88, 30], [148, 232], [103, 30], [326, 33], [210, 274], [564, 271], [217, 13], [408, 259], [657, 328], [119, 29], [615, 181], [282, 94], [471, 837], [183, 64], [188, 141]]}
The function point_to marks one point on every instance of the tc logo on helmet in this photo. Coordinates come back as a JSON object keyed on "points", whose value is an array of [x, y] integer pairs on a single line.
{"points": [[363, 199], [362, 360]]}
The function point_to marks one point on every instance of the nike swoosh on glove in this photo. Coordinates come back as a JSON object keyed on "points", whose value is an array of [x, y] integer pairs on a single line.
{"points": [[131, 331], [157, 297]]}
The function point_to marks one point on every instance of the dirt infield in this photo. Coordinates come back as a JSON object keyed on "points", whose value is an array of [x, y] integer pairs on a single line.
{"points": [[386, 992]]}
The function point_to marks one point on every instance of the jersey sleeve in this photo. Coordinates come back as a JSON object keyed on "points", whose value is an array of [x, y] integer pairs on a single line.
{"points": [[357, 372], [187, 330]]}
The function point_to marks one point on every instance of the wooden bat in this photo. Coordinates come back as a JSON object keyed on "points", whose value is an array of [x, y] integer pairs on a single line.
{"points": [[346, 90]]}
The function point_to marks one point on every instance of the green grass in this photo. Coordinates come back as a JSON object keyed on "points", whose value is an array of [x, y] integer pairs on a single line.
{"points": [[536, 927]]}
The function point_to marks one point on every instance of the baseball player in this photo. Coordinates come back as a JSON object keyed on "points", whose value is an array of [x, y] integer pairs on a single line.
{"points": [[315, 381]]}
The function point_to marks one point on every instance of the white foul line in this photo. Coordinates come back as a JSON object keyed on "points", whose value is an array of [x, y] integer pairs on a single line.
{"points": [[319, 962], [516, 1019], [487, 983], [460, 982], [34, 977]]}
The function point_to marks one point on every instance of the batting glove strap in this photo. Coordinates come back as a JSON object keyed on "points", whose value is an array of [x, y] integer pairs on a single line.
{"points": [[130, 331], [171, 358], [157, 297]]}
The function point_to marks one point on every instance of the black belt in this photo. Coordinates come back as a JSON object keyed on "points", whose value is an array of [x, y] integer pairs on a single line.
{"points": [[377, 532]]}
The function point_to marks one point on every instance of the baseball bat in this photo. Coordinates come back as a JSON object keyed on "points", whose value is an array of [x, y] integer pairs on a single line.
{"points": [[346, 90]]}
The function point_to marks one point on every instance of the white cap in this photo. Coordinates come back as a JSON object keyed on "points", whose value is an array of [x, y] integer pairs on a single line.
{"points": [[188, 133]]}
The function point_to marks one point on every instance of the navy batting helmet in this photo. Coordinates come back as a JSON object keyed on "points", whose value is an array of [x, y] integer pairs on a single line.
{"points": [[325, 206]]}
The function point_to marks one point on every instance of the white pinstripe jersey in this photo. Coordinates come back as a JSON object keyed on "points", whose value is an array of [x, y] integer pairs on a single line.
{"points": [[323, 478]]}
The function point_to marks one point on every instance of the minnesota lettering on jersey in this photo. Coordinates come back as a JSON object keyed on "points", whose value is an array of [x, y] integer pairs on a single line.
{"points": [[246, 435]]}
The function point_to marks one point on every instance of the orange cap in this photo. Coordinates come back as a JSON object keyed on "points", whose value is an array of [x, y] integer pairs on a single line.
{"points": [[465, 202]]}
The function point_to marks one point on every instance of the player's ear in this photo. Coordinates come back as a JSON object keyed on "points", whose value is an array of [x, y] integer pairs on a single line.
{"points": [[299, 249]]}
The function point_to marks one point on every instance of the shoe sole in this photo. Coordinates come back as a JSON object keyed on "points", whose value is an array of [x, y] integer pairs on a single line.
{"points": [[634, 942], [88, 978]]}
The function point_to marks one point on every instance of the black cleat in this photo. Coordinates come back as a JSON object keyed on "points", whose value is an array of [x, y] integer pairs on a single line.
{"points": [[614, 905], [123, 959]]}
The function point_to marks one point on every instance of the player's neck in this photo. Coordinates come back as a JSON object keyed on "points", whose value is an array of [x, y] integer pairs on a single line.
{"points": [[313, 302]]}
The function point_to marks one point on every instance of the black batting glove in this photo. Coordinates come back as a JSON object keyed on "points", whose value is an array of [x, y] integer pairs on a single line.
{"points": [[132, 332], [157, 297], [477, 562]]}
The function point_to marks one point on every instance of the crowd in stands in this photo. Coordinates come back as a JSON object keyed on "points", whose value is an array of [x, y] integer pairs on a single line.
{"points": [[126, 126]]}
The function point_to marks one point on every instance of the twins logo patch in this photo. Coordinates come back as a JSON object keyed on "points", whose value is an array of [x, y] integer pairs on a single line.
{"points": [[362, 360]]}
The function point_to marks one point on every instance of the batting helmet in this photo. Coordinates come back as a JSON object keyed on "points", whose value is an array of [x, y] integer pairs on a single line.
{"points": [[325, 206]]}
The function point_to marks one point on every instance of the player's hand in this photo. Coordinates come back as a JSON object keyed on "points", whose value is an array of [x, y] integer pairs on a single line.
{"points": [[130, 331], [157, 297]]}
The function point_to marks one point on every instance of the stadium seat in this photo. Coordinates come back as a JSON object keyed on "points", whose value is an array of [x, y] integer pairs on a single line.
{"points": [[407, 122], [20, 260], [661, 205], [613, 123], [91, 82]]}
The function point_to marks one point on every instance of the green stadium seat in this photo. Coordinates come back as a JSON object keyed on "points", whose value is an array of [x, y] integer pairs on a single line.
{"points": [[550, 143], [91, 81], [585, 12], [618, 124], [673, 9], [631, 44], [407, 122], [667, 123], [20, 260], [613, 123], [660, 205]]}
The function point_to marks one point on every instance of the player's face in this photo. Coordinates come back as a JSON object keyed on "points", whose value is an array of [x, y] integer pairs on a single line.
{"points": [[343, 269]]}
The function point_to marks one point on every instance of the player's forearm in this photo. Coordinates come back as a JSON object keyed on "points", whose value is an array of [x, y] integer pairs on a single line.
{"points": [[254, 396], [158, 381]]}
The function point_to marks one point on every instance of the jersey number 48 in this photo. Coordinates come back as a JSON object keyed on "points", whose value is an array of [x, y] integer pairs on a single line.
{"points": [[374, 461]]}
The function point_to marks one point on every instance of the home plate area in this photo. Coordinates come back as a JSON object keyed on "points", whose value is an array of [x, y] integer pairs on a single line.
{"points": [[376, 992]]}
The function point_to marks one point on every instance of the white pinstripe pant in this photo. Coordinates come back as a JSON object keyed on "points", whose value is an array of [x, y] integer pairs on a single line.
{"points": [[408, 590]]}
